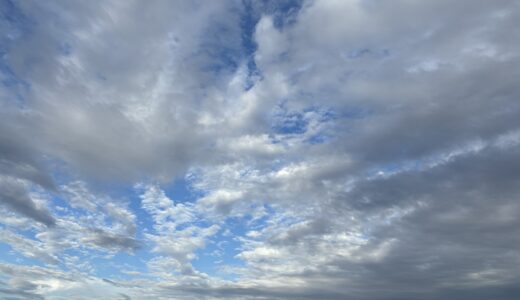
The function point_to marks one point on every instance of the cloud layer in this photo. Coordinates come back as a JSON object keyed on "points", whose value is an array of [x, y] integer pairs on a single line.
{"points": [[352, 149]]}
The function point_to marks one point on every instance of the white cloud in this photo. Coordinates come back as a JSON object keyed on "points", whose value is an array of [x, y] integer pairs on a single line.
{"points": [[176, 236]]}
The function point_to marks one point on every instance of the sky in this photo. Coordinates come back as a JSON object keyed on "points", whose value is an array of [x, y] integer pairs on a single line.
{"points": [[253, 150]]}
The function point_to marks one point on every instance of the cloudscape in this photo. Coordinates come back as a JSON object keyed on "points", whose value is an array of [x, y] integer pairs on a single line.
{"points": [[254, 150]]}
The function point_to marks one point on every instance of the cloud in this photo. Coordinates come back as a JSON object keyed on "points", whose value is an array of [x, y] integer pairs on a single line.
{"points": [[28, 247], [260, 150], [177, 235], [106, 240], [13, 193], [18, 159], [110, 108]]}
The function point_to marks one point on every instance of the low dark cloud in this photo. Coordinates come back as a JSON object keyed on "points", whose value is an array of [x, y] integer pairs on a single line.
{"points": [[111, 241], [14, 194], [17, 293]]}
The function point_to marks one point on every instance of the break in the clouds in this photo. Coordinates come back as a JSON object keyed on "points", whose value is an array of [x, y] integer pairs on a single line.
{"points": [[353, 149]]}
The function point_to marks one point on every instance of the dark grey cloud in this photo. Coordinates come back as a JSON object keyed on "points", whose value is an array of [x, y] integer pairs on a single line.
{"points": [[11, 294], [125, 297], [14, 194], [451, 228], [112, 241], [18, 292], [18, 158], [260, 293]]}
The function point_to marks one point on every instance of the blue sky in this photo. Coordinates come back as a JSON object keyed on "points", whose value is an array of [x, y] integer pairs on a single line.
{"points": [[259, 149]]}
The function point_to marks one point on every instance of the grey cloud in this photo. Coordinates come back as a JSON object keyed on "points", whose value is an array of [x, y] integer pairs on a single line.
{"points": [[470, 85], [22, 284], [131, 120], [13, 294], [110, 281], [125, 297], [460, 234], [261, 293], [111, 241], [28, 247], [13, 193], [440, 232], [17, 157]]}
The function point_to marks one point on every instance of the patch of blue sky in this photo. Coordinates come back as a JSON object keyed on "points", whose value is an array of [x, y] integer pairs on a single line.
{"points": [[291, 123], [221, 50], [105, 268], [125, 193], [259, 222], [16, 86], [29, 233], [219, 266], [283, 12], [317, 139], [192, 178], [227, 55], [330, 118], [220, 253], [9, 255], [13, 20], [100, 263], [286, 121], [297, 123], [13, 25], [118, 265], [223, 59], [57, 169], [61, 206], [180, 191], [144, 220], [202, 223], [6, 254], [221, 250], [280, 217], [248, 20], [323, 114], [80, 257], [9, 78]]}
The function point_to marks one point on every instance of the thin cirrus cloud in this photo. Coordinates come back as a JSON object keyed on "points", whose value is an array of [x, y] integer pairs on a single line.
{"points": [[259, 150]]}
